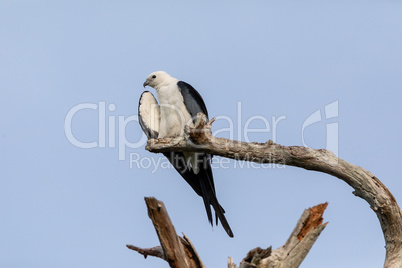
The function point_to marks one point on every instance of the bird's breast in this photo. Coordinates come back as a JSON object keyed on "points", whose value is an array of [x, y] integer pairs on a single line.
{"points": [[174, 115]]}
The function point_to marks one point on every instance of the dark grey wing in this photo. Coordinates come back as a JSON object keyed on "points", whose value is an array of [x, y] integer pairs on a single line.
{"points": [[178, 161], [203, 182], [192, 100], [149, 115]]}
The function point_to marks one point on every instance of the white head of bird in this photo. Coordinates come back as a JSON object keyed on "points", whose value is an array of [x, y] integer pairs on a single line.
{"points": [[159, 79]]}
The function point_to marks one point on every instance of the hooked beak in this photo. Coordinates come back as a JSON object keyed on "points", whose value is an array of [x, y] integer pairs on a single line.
{"points": [[145, 83]]}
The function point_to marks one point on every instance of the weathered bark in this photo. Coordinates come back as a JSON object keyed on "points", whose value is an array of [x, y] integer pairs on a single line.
{"points": [[296, 248], [154, 252], [231, 264], [173, 249], [194, 259], [177, 251], [365, 184]]}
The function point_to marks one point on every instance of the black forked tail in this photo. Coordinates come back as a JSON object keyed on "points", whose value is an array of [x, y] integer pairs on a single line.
{"points": [[209, 196], [203, 184]]}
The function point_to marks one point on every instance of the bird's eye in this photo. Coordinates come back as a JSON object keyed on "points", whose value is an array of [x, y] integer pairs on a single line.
{"points": [[154, 76]]}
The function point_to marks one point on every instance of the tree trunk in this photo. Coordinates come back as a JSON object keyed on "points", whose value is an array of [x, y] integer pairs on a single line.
{"points": [[179, 252]]}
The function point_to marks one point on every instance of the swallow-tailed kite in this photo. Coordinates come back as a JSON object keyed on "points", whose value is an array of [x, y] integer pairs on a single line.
{"points": [[178, 106]]}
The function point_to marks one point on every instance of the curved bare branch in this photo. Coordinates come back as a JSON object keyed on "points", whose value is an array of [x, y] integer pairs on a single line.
{"points": [[365, 184]]}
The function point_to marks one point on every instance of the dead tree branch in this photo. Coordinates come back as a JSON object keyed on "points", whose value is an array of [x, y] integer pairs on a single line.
{"points": [[154, 252], [177, 251], [296, 248], [365, 184]]}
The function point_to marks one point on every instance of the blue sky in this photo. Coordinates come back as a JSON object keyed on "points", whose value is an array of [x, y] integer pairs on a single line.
{"points": [[67, 206]]}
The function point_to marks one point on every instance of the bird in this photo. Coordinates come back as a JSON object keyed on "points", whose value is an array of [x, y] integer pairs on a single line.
{"points": [[178, 106]]}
